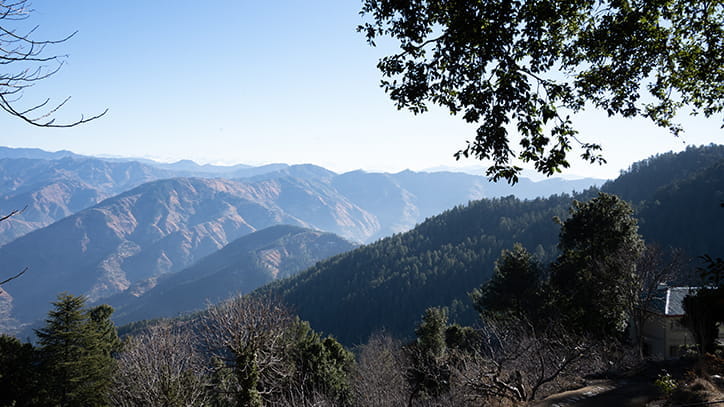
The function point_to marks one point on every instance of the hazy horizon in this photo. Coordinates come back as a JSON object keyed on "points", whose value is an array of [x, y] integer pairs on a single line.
{"points": [[478, 170], [258, 83]]}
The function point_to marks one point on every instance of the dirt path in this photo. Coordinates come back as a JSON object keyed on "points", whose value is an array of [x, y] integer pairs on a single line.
{"points": [[605, 393]]}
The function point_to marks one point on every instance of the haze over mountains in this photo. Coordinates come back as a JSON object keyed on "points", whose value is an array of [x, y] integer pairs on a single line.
{"points": [[100, 227], [50, 190], [55, 185]]}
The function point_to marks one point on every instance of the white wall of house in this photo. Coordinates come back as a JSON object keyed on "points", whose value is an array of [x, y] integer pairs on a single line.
{"points": [[664, 335]]}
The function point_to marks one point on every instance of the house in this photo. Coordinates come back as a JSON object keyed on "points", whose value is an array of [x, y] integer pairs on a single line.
{"points": [[664, 336]]}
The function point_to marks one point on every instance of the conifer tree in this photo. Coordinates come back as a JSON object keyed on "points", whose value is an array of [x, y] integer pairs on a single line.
{"points": [[75, 352], [19, 379], [428, 374], [595, 275], [514, 288]]}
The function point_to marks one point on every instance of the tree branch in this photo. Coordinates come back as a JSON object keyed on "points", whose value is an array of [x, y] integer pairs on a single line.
{"points": [[28, 55], [14, 277]]}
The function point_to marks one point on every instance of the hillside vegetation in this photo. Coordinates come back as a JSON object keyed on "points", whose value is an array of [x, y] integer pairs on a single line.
{"points": [[388, 284]]}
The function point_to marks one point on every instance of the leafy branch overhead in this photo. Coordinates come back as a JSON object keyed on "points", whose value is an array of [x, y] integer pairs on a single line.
{"points": [[532, 64], [25, 61]]}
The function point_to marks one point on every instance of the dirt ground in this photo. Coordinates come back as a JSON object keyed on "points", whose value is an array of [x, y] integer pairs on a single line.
{"points": [[605, 393], [634, 388]]}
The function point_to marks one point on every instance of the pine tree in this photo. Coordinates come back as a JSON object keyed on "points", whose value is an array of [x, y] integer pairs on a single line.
{"points": [[514, 288], [75, 352], [428, 374]]}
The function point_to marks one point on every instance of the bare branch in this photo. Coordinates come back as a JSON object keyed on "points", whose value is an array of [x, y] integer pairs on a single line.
{"points": [[5, 105], [247, 335], [512, 361], [160, 367], [4, 218], [20, 51], [14, 277], [13, 213]]}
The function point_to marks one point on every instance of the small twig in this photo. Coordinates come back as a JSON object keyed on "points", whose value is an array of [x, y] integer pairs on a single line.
{"points": [[14, 277], [13, 213]]}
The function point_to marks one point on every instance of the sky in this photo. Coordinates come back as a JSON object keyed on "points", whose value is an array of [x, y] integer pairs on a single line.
{"points": [[258, 82]]}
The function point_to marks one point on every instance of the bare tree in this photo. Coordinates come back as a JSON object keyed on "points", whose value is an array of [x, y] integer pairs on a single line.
{"points": [[160, 367], [512, 361], [247, 336], [28, 61], [379, 377], [654, 268]]}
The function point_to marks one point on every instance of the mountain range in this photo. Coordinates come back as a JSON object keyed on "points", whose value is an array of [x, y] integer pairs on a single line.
{"points": [[51, 186], [50, 190], [101, 227], [156, 228]]}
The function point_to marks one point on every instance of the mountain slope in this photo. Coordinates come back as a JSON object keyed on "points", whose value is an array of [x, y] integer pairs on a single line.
{"points": [[241, 266], [402, 200], [644, 178], [51, 186], [388, 284], [50, 190], [688, 213], [157, 228]]}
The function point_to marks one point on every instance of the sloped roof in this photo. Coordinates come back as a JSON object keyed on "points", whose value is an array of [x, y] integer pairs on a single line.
{"points": [[669, 300]]}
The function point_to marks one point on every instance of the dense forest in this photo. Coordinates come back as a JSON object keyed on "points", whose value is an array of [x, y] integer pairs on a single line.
{"points": [[436, 263]]}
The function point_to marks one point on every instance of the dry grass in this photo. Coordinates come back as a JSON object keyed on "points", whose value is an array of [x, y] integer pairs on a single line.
{"points": [[700, 390]]}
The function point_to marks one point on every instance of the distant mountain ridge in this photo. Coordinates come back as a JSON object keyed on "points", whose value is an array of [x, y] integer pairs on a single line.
{"points": [[161, 227], [51, 189], [36, 153], [238, 268], [56, 185]]}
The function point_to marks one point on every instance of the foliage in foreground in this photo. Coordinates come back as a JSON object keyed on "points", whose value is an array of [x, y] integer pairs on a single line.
{"points": [[498, 64]]}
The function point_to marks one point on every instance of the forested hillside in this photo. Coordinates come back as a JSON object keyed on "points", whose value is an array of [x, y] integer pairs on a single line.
{"points": [[644, 178], [388, 284], [688, 213]]}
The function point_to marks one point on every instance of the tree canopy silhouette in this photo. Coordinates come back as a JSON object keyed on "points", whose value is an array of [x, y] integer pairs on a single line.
{"points": [[531, 64]]}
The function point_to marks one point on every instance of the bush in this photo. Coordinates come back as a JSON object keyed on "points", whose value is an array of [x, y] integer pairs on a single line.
{"points": [[665, 383]]}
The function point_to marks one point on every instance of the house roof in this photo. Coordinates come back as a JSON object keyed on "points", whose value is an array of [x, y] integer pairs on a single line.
{"points": [[669, 300]]}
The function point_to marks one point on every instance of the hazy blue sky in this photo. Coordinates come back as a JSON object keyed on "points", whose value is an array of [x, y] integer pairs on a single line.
{"points": [[258, 82]]}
